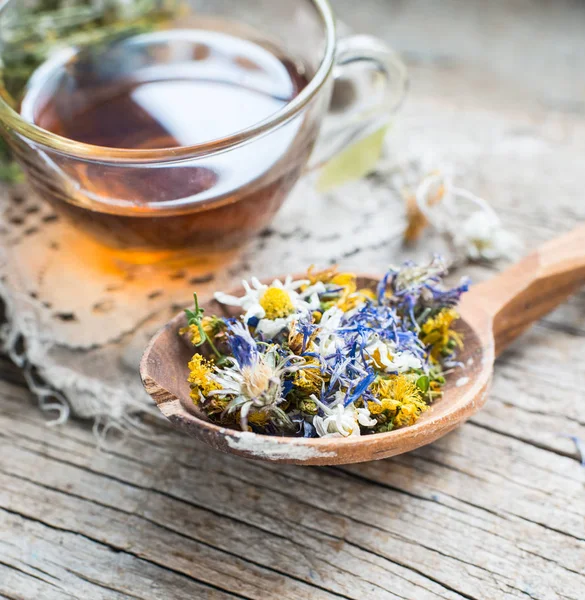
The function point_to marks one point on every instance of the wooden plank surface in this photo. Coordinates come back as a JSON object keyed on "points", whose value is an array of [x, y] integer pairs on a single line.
{"points": [[494, 510]]}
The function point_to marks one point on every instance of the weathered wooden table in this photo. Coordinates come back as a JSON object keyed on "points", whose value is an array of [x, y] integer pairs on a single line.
{"points": [[494, 510]]}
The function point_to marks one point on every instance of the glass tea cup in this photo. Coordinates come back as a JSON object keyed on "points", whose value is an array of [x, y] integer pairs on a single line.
{"points": [[170, 196]]}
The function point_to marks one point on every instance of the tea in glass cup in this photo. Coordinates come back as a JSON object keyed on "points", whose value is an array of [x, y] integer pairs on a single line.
{"points": [[179, 128]]}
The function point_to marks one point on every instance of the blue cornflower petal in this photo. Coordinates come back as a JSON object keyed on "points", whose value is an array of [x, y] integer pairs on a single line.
{"points": [[242, 344], [253, 321], [359, 389], [381, 288]]}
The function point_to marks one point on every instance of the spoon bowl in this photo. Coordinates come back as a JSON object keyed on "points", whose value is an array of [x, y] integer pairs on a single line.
{"points": [[493, 314]]}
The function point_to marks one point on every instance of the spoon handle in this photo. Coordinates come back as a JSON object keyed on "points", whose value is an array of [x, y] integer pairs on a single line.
{"points": [[532, 288]]}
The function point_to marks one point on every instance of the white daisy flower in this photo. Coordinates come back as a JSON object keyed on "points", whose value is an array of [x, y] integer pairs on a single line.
{"points": [[270, 328], [275, 305]]}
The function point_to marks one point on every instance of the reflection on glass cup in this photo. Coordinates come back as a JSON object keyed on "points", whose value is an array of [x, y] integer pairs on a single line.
{"points": [[179, 128]]}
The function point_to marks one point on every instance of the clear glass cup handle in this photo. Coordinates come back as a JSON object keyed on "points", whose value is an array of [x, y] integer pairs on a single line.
{"points": [[370, 84]]}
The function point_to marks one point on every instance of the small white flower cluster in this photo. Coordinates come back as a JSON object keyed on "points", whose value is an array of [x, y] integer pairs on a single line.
{"points": [[339, 420]]}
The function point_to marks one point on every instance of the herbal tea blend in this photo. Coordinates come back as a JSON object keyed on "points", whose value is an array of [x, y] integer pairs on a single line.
{"points": [[319, 357]]}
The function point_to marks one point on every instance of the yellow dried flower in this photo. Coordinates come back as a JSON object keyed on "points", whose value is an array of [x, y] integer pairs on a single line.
{"points": [[367, 293], [400, 400], [435, 387], [214, 406], [408, 414], [437, 333], [375, 408], [201, 384], [382, 387], [325, 275], [404, 389], [350, 300], [308, 406], [345, 279], [415, 219], [350, 296], [297, 339], [310, 379], [276, 303], [258, 417], [208, 324]]}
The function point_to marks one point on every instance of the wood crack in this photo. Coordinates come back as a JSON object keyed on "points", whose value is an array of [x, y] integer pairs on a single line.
{"points": [[575, 537], [359, 249], [537, 465], [93, 445], [554, 562], [344, 472], [453, 468], [422, 574], [124, 482], [352, 545], [504, 516], [532, 411], [385, 558], [417, 496], [15, 568], [476, 506], [524, 440], [434, 579], [97, 583]]}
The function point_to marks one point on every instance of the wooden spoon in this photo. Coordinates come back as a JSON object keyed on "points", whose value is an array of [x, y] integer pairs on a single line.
{"points": [[493, 314]]}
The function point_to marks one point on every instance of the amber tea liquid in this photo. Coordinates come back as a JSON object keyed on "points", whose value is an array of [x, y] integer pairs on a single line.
{"points": [[165, 90]]}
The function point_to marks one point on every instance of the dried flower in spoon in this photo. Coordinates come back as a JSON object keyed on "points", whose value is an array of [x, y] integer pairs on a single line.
{"points": [[320, 357]]}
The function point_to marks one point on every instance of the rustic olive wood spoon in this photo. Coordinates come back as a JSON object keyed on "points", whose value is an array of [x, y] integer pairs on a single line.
{"points": [[493, 314]]}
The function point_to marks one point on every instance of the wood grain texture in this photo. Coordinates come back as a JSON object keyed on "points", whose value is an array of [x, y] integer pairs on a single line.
{"points": [[479, 514], [495, 510]]}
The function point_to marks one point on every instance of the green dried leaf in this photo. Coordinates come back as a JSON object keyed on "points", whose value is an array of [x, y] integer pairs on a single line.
{"points": [[355, 162], [194, 316], [423, 384]]}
